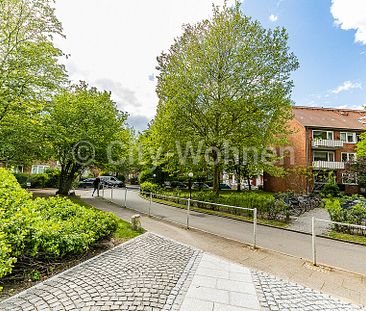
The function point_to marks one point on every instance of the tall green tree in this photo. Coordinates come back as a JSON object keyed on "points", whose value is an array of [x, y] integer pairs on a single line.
{"points": [[29, 71], [83, 127], [226, 79]]}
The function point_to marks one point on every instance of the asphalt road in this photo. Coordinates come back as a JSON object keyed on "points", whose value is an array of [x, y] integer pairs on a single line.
{"points": [[329, 252]]}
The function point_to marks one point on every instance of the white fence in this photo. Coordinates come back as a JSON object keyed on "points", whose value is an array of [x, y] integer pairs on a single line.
{"points": [[187, 204]]}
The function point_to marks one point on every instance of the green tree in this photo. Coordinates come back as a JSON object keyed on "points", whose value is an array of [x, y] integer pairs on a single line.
{"points": [[29, 72], [84, 127], [225, 80]]}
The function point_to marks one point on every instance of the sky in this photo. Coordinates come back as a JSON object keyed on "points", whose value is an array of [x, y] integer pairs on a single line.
{"points": [[113, 45]]}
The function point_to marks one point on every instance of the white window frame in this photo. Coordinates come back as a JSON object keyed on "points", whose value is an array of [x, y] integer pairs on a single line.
{"points": [[348, 156], [346, 175], [39, 168], [323, 151], [331, 132], [354, 134]]}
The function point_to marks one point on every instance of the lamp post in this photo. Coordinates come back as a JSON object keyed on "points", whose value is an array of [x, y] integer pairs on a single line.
{"points": [[190, 175]]}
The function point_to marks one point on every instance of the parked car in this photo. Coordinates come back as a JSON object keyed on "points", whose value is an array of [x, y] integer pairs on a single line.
{"points": [[86, 183], [174, 185], [224, 186], [111, 181], [200, 185]]}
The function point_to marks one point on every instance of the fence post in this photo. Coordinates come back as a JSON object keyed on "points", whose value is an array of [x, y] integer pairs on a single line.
{"points": [[125, 197], [313, 236], [255, 228], [103, 190], [112, 193], [150, 204], [188, 211]]}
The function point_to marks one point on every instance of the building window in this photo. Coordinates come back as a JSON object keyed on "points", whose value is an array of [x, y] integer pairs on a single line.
{"points": [[348, 157], [323, 135], [349, 178], [39, 169], [349, 137], [327, 156]]}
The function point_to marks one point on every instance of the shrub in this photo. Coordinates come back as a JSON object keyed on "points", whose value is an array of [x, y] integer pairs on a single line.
{"points": [[355, 214], [145, 175], [149, 187], [264, 202], [331, 189], [45, 229]]}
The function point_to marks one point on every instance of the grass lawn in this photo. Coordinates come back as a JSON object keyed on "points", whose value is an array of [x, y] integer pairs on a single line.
{"points": [[348, 237]]}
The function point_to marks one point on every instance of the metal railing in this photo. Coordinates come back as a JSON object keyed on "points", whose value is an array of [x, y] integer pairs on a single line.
{"points": [[313, 233], [188, 203], [328, 165], [327, 143]]}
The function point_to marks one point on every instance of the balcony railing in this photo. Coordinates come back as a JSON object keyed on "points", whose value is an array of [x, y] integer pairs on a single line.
{"points": [[327, 143], [318, 165]]}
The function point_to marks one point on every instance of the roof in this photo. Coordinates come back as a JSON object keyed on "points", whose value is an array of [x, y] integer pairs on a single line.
{"points": [[330, 117]]}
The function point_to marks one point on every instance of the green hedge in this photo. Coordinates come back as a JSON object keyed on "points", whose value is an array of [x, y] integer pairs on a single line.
{"points": [[148, 186], [264, 202], [45, 229], [352, 215], [48, 179]]}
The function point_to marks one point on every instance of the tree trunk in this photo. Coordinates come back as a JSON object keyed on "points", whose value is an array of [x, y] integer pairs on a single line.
{"points": [[238, 179], [249, 184], [216, 173], [67, 177]]}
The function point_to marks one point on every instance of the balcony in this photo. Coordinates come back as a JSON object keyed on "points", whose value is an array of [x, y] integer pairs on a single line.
{"points": [[327, 143], [319, 165]]}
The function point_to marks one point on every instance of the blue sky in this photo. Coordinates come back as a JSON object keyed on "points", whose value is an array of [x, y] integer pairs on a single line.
{"points": [[114, 44], [332, 69]]}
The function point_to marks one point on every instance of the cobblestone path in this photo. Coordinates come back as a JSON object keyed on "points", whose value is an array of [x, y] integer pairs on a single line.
{"points": [[275, 294], [146, 274], [153, 273]]}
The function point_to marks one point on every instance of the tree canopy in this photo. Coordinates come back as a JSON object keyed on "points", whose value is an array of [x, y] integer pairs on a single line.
{"points": [[30, 71], [83, 127], [226, 80]]}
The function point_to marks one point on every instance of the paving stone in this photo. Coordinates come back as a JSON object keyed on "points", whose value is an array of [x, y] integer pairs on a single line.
{"points": [[143, 274], [276, 294]]}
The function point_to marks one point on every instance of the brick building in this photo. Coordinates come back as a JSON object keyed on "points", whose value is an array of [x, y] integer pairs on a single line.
{"points": [[323, 141]]}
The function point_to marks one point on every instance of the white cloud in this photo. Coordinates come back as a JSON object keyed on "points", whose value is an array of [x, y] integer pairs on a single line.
{"points": [[273, 18], [114, 43], [346, 86], [351, 14]]}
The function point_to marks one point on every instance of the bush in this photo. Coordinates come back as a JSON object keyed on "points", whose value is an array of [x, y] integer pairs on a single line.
{"points": [[149, 187], [49, 179], [265, 203], [355, 214], [145, 175], [330, 189], [44, 229]]}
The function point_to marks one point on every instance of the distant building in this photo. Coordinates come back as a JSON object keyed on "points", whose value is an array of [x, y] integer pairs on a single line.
{"points": [[323, 141]]}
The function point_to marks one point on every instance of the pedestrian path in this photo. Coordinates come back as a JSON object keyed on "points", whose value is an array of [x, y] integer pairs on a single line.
{"points": [[153, 273], [303, 222], [347, 256]]}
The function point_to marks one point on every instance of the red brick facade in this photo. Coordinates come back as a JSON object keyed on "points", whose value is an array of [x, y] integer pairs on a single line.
{"points": [[302, 161]]}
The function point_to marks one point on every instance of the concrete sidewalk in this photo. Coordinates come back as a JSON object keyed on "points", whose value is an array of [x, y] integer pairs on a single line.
{"points": [[341, 284]]}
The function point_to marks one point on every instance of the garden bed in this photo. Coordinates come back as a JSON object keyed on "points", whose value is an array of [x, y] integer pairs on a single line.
{"points": [[269, 211], [44, 236]]}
